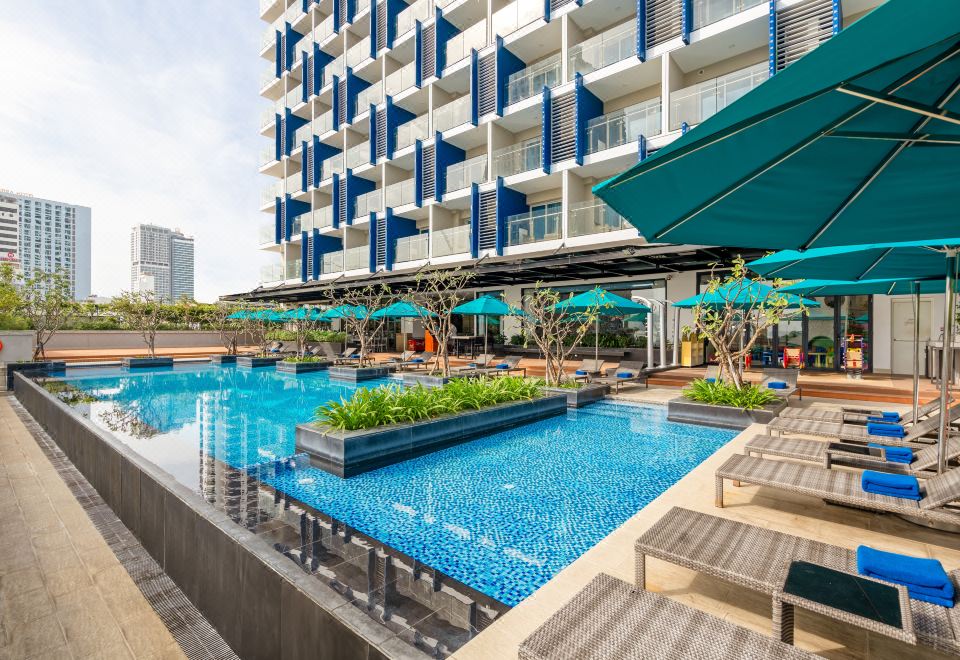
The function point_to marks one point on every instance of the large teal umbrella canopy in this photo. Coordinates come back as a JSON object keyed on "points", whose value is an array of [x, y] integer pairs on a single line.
{"points": [[487, 306], [303, 313], [402, 310], [603, 303], [742, 296], [265, 315], [864, 287], [239, 314], [344, 312], [860, 137]]}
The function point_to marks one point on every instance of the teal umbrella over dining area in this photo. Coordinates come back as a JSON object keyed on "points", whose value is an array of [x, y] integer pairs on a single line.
{"points": [[487, 306], [743, 296], [598, 302], [402, 310]]}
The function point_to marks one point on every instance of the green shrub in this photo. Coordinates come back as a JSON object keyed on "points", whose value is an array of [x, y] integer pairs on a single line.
{"points": [[305, 358], [312, 335], [369, 408], [749, 397], [11, 322]]}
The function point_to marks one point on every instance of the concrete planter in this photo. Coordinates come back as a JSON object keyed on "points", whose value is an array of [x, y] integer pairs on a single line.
{"points": [[301, 367], [32, 369], [358, 374], [411, 378], [693, 412], [581, 397], [251, 362], [146, 362], [348, 453], [223, 359]]}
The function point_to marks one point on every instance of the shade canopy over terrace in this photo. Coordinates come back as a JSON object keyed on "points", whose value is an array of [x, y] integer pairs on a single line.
{"points": [[598, 302], [487, 306], [743, 296], [344, 311], [303, 314], [402, 310], [858, 138]]}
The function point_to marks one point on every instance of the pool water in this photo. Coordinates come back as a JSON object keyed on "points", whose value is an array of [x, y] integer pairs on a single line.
{"points": [[502, 514]]}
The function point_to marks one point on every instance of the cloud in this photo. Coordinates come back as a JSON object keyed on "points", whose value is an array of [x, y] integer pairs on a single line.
{"points": [[146, 112]]}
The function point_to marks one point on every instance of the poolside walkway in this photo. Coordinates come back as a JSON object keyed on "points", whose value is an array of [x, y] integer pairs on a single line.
{"points": [[63, 592]]}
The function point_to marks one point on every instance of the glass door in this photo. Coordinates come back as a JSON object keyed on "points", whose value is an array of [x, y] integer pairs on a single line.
{"points": [[821, 342], [855, 330]]}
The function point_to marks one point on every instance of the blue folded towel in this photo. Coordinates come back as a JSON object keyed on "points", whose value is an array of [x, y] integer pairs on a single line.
{"points": [[924, 579], [503, 366], [416, 360], [624, 374], [777, 385], [895, 454], [892, 416], [894, 485], [710, 380], [581, 372], [886, 430]]}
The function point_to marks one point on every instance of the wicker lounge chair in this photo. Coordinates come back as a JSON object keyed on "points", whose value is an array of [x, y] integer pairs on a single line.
{"points": [[854, 415], [924, 463], [638, 375], [755, 558], [843, 487], [590, 369], [609, 618], [512, 362], [482, 361], [416, 361], [788, 376], [341, 358]]}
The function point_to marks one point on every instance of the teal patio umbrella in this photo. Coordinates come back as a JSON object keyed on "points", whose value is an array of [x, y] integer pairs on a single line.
{"points": [[602, 303], [344, 311], [858, 138], [742, 296], [238, 315], [402, 310], [487, 306], [302, 313]]}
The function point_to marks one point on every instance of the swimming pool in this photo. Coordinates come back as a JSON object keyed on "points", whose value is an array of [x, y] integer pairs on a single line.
{"points": [[502, 514]]}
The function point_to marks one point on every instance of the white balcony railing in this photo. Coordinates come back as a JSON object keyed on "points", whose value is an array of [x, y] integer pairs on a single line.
{"points": [[623, 126], [332, 262], [359, 52], [271, 273], [460, 45], [399, 194], [333, 68], [515, 16], [517, 158], [419, 10], [268, 77], [706, 12], [267, 117], [324, 30], [358, 154], [531, 80], [269, 194], [302, 134], [594, 217], [367, 203], [455, 240], [268, 155], [294, 269], [411, 248], [294, 97], [361, 6], [452, 114], [606, 48], [461, 175], [323, 123], [268, 233], [356, 257], [698, 102], [402, 79], [372, 95], [269, 37], [533, 227], [294, 183], [331, 166], [322, 218], [293, 13], [413, 130]]}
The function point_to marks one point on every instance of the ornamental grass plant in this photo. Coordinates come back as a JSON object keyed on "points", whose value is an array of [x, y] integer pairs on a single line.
{"points": [[747, 397]]}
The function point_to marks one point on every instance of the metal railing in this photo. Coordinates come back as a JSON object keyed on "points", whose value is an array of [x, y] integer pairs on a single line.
{"points": [[358, 52], [594, 217], [533, 227], [268, 155], [271, 273], [269, 194], [452, 114], [455, 240], [413, 130], [367, 203], [531, 80], [358, 154], [406, 19], [517, 158], [516, 15], [356, 257], [399, 194], [698, 102], [331, 262], [706, 12], [459, 46], [372, 95], [268, 233], [331, 166], [400, 80], [461, 175], [623, 126], [606, 48], [411, 248], [294, 269]]}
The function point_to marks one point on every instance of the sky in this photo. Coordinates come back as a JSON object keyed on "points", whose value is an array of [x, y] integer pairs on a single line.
{"points": [[145, 111]]}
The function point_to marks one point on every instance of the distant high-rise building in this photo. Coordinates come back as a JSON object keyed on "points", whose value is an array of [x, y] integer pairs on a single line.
{"points": [[50, 236], [161, 261]]}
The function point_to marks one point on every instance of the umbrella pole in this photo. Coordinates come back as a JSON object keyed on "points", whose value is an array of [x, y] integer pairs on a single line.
{"points": [[596, 339], [484, 317], [916, 350], [946, 366]]}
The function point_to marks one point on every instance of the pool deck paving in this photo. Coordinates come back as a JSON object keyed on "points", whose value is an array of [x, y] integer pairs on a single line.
{"points": [[765, 507], [63, 592]]}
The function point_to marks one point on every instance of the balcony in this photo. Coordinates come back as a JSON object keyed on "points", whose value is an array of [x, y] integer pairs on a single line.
{"points": [[400, 194], [606, 48], [333, 68], [413, 130], [269, 194], [362, 5], [293, 13], [461, 175], [323, 31], [406, 19], [367, 203], [411, 248], [265, 5], [515, 16], [268, 234], [323, 123], [372, 95], [294, 184], [517, 158], [533, 227], [460, 45], [455, 240], [331, 262], [594, 217], [269, 37], [271, 274], [267, 117], [268, 155], [359, 52], [400, 80], [267, 78], [294, 97], [331, 166], [294, 269], [531, 81], [452, 114], [358, 155], [706, 12], [698, 102], [302, 134], [321, 218], [624, 126], [356, 258]]}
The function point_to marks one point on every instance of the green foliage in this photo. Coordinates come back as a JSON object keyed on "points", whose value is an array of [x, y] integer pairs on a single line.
{"points": [[67, 393], [369, 408], [305, 358], [747, 397], [517, 340], [13, 322], [312, 335]]}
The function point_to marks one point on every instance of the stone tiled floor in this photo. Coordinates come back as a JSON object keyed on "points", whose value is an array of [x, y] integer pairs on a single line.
{"points": [[63, 592]]}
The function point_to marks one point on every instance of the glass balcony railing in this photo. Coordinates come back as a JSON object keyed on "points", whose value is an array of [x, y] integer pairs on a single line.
{"points": [[706, 12], [293, 13], [452, 114], [605, 49], [267, 117], [302, 134], [331, 166], [269, 37], [400, 80], [356, 257], [271, 273], [358, 155], [594, 217], [333, 68], [399, 194], [413, 130], [455, 240], [367, 203], [331, 262], [294, 97], [361, 5], [294, 183], [533, 227], [698, 102], [623, 126], [324, 30], [516, 15], [531, 80], [296, 226], [294, 269], [517, 158], [269, 194], [411, 248], [459, 46], [268, 77], [461, 175], [321, 218], [372, 95], [268, 233], [358, 52], [406, 19], [268, 155], [265, 5], [323, 123]]}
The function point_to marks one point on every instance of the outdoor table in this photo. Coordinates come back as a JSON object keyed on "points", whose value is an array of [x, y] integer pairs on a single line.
{"points": [[876, 606], [458, 341]]}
